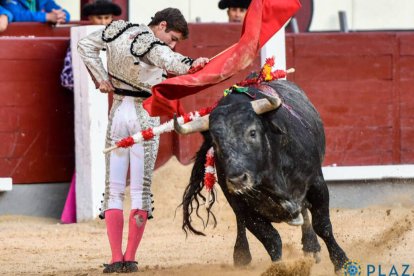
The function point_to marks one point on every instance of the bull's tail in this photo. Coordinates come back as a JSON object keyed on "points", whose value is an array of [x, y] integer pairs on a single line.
{"points": [[192, 198]]}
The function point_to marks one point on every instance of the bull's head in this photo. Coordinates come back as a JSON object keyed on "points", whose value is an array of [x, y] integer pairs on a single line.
{"points": [[239, 139]]}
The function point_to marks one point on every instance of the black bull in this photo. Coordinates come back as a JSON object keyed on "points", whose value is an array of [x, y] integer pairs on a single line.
{"points": [[269, 169]]}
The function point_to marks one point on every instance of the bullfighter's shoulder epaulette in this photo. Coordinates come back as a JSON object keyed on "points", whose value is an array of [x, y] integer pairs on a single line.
{"points": [[144, 42], [115, 29]]}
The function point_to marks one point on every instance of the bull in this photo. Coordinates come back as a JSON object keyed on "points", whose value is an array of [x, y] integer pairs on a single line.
{"points": [[268, 154]]}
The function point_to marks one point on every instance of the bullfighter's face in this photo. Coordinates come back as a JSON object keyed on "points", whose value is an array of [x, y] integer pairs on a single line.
{"points": [[169, 37]]}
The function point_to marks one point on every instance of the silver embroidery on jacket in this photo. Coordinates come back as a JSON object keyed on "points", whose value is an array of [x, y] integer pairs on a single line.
{"points": [[114, 29], [138, 72], [143, 43]]}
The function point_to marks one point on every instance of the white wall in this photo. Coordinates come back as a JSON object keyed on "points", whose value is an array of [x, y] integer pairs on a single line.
{"points": [[141, 11], [361, 14], [396, 14], [72, 6], [325, 14], [91, 119], [208, 11]]}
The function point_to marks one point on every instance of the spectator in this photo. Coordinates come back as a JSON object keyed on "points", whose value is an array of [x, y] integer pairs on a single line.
{"points": [[36, 11], [5, 18], [236, 9], [99, 12]]}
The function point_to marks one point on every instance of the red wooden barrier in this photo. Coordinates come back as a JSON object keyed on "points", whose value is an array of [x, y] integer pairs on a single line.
{"points": [[361, 83], [35, 29], [36, 129], [354, 80], [405, 95]]}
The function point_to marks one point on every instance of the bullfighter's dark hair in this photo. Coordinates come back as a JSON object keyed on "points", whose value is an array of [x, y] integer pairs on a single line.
{"points": [[175, 21]]}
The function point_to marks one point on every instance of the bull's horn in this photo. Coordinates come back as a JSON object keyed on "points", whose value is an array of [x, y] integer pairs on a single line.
{"points": [[198, 125], [265, 105]]}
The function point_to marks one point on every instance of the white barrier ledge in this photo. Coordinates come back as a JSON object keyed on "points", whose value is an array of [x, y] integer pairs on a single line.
{"points": [[91, 119], [5, 184], [350, 173]]}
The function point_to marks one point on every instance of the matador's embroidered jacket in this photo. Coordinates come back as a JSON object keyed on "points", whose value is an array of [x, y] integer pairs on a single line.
{"points": [[135, 57]]}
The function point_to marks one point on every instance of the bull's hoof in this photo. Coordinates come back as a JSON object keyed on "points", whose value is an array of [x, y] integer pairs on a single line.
{"points": [[242, 259], [339, 272], [298, 221], [345, 265], [315, 255]]}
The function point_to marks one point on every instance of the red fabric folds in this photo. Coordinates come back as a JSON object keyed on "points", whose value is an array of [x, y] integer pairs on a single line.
{"points": [[268, 16]]}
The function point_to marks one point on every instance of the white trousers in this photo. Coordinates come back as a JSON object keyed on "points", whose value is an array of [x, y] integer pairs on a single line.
{"points": [[126, 118]]}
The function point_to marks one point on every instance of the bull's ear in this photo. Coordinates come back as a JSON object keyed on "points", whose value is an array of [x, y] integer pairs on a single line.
{"points": [[276, 128]]}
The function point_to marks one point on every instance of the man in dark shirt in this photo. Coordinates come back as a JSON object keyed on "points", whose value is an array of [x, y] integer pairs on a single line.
{"points": [[236, 9]]}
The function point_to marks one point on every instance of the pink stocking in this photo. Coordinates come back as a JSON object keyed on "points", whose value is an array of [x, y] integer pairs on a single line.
{"points": [[114, 219], [137, 221]]}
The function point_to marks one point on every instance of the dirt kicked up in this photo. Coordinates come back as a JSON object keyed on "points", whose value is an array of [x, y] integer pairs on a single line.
{"points": [[378, 239]]}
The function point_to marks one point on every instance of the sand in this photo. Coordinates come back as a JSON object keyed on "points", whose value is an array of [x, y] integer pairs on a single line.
{"points": [[41, 246]]}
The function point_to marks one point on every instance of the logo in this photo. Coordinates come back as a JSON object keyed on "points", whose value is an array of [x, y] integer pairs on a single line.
{"points": [[352, 268]]}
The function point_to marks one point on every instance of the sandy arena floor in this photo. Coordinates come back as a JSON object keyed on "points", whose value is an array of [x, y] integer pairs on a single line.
{"points": [[39, 246]]}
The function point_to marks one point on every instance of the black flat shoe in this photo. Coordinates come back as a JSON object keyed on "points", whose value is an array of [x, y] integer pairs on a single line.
{"points": [[114, 267], [130, 266]]}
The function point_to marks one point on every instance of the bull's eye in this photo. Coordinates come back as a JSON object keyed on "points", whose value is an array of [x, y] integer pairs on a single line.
{"points": [[253, 133]]}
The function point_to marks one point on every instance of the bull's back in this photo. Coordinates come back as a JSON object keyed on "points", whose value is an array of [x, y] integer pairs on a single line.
{"points": [[300, 118]]}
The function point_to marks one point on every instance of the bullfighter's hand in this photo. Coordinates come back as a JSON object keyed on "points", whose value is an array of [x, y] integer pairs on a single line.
{"points": [[105, 86], [200, 62]]}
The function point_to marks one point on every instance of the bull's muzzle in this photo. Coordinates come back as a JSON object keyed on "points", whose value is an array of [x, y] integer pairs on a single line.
{"points": [[238, 184], [202, 124]]}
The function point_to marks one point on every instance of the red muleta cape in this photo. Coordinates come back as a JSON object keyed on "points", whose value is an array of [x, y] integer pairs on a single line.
{"points": [[268, 16]]}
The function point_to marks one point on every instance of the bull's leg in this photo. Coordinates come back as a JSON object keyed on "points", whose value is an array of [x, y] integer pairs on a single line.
{"points": [[309, 240], [241, 254], [267, 235], [318, 197]]}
